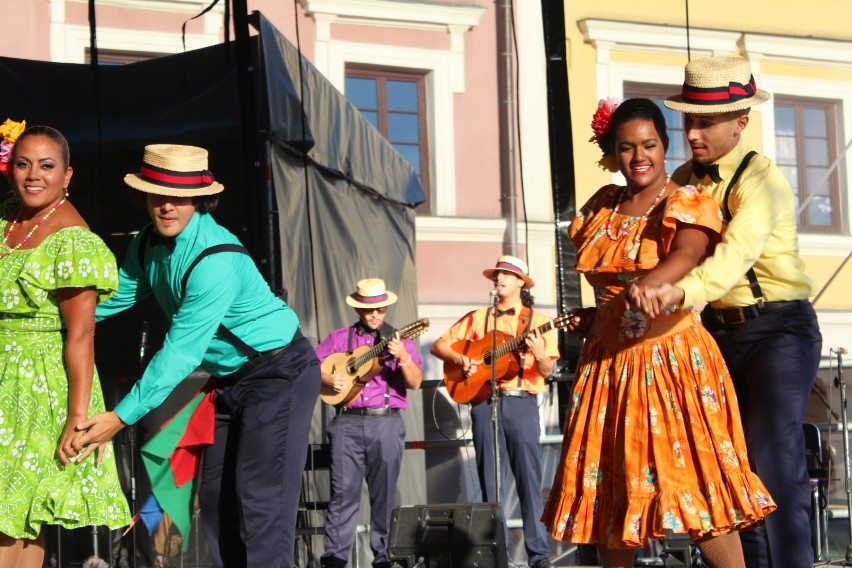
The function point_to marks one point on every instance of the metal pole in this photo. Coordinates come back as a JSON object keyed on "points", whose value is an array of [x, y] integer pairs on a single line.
{"points": [[495, 400], [506, 92], [848, 480]]}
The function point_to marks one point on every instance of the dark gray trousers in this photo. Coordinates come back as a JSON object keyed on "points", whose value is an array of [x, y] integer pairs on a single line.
{"points": [[251, 481], [362, 447]]}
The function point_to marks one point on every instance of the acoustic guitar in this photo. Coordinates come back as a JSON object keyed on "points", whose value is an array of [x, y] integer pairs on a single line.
{"points": [[476, 388], [360, 366]]}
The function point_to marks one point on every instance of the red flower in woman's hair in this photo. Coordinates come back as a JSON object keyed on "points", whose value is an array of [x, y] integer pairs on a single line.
{"points": [[602, 118]]}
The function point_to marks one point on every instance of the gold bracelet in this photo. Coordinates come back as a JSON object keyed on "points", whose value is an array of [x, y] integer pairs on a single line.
{"points": [[401, 365]]}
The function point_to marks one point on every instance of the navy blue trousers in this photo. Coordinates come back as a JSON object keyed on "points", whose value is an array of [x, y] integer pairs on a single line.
{"points": [[773, 361], [362, 447], [520, 448], [251, 480]]}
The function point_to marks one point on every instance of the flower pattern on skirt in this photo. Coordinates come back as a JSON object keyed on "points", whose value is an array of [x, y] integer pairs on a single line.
{"points": [[662, 447]]}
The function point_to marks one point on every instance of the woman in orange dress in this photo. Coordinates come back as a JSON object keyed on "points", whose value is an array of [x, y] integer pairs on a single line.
{"points": [[653, 439]]}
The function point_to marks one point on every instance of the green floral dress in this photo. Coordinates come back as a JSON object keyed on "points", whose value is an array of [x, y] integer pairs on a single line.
{"points": [[34, 488]]}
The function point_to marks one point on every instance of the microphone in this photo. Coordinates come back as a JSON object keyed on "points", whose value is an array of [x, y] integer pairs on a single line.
{"points": [[494, 295], [840, 350], [143, 341]]}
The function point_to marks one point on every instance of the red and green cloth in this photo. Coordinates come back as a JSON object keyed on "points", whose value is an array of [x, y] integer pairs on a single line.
{"points": [[171, 459]]}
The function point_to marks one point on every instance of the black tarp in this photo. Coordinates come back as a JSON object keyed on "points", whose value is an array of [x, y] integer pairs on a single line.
{"points": [[345, 207]]}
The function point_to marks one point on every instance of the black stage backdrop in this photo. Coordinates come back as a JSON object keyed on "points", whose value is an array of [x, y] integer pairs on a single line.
{"points": [[311, 188]]}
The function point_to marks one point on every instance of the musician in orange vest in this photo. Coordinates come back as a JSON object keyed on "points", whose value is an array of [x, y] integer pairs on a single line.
{"points": [[367, 435], [529, 365]]}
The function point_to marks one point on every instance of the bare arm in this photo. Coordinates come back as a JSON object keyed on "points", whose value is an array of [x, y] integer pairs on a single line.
{"points": [[444, 352], [77, 306], [543, 362], [689, 248], [412, 375]]}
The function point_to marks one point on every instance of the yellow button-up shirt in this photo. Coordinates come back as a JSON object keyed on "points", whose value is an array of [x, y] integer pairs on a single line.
{"points": [[762, 233]]}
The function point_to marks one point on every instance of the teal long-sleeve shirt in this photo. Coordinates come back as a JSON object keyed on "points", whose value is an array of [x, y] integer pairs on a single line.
{"points": [[224, 288]]}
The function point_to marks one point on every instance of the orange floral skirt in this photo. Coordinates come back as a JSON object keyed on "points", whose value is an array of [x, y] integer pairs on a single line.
{"points": [[653, 442]]}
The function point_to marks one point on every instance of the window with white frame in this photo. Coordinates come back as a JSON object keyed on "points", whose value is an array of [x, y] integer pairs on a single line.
{"points": [[395, 103], [806, 151]]}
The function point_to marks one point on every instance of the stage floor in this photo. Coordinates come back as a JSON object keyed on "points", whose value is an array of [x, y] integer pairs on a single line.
{"points": [[838, 542]]}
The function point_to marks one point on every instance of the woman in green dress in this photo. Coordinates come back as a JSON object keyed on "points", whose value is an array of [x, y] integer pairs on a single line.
{"points": [[53, 271]]}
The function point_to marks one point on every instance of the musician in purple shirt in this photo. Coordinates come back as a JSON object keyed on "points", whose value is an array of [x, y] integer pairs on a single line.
{"points": [[367, 436]]}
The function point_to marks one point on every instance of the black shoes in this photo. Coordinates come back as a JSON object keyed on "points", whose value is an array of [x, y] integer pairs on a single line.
{"points": [[543, 563]]}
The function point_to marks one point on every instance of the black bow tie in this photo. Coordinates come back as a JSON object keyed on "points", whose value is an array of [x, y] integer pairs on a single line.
{"points": [[362, 329], [158, 239], [701, 170], [509, 312]]}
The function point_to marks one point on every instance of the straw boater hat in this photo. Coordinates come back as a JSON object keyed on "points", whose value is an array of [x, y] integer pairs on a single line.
{"points": [[513, 264], [717, 84], [371, 293], [174, 170]]}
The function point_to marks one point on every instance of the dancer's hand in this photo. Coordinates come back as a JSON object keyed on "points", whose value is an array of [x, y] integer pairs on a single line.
{"points": [[652, 299], [66, 451], [95, 433]]}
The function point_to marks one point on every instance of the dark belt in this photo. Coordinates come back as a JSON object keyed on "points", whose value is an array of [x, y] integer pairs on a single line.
{"points": [[367, 411], [256, 360], [516, 393], [737, 316]]}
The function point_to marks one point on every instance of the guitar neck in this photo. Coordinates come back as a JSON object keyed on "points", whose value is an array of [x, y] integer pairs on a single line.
{"points": [[513, 344], [409, 331], [374, 352]]}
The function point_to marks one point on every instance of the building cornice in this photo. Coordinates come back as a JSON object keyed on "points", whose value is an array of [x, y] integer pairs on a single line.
{"points": [[639, 37], [799, 50], [388, 13]]}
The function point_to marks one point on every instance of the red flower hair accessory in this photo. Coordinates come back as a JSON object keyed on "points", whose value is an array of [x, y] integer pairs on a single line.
{"points": [[600, 126], [602, 118], [9, 132]]}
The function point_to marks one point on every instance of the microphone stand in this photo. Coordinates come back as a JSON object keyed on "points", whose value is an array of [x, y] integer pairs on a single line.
{"points": [[840, 382], [495, 399], [131, 439]]}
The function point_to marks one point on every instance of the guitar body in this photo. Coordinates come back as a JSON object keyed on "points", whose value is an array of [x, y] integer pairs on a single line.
{"points": [[356, 380], [477, 387]]}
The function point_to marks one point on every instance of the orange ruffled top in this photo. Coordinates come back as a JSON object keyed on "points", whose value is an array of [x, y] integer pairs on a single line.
{"points": [[653, 440]]}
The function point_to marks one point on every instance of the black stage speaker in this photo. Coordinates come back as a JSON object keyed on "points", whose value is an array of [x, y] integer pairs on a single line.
{"points": [[462, 535]]}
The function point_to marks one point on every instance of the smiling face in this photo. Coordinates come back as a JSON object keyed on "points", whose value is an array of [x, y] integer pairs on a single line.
{"points": [[171, 215], [640, 154], [711, 136], [40, 173]]}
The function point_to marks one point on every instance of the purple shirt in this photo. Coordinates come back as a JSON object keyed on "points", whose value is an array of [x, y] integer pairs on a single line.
{"points": [[373, 395]]}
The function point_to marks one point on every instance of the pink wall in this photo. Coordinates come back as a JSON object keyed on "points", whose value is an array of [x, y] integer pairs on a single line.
{"points": [[449, 272], [281, 14], [477, 133], [121, 18], [27, 35]]}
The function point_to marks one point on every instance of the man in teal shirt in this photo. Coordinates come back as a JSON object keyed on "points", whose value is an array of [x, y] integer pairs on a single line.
{"points": [[224, 318]]}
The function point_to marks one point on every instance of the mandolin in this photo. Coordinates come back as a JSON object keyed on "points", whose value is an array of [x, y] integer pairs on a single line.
{"points": [[362, 364]]}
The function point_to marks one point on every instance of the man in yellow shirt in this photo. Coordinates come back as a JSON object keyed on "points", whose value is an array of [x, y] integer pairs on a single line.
{"points": [[758, 293]]}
